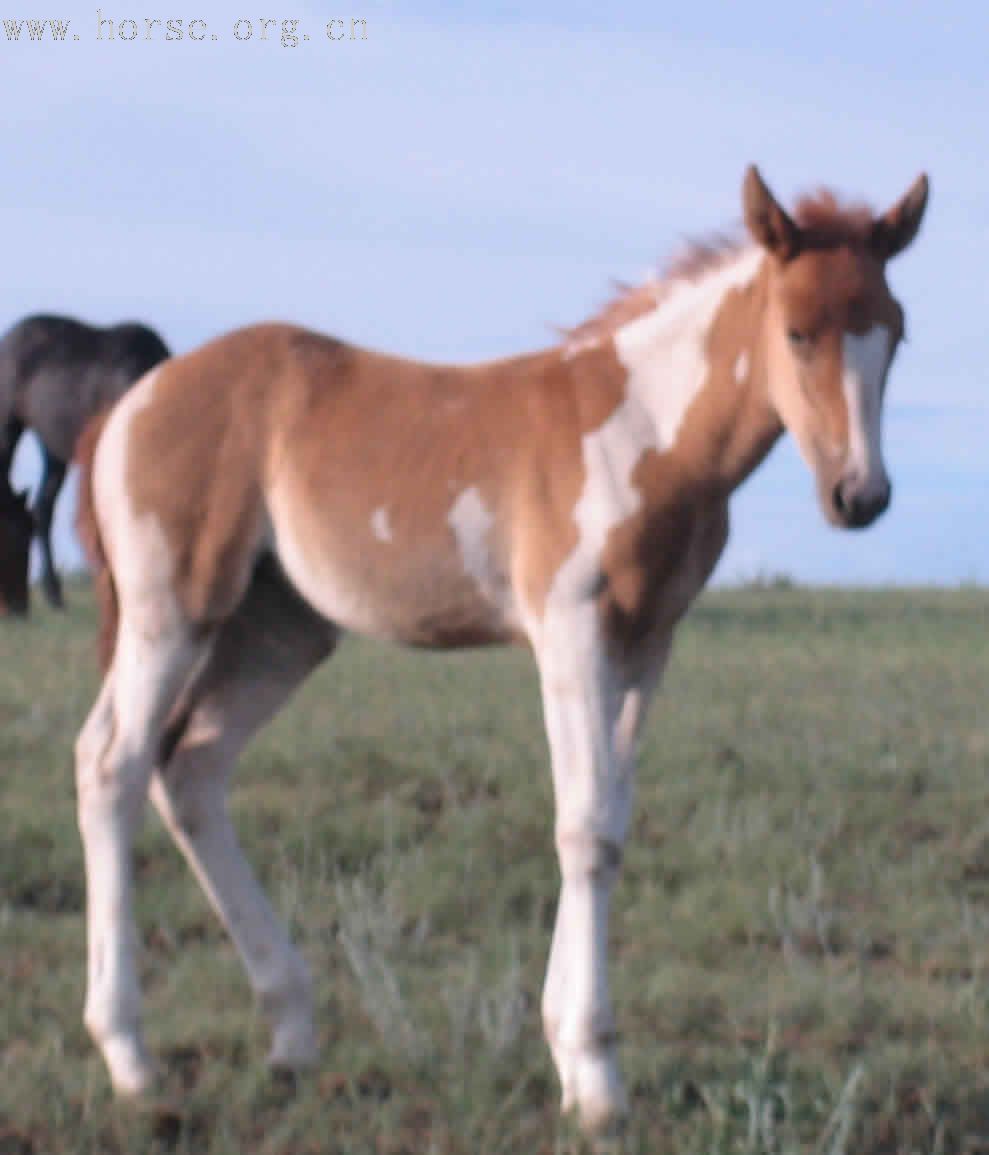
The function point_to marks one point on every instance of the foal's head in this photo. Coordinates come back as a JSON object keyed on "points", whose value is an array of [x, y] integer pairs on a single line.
{"points": [[833, 328], [16, 530]]}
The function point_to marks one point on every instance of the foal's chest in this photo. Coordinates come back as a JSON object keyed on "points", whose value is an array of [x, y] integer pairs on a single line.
{"points": [[656, 563]]}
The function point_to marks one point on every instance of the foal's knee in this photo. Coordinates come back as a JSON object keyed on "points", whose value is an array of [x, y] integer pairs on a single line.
{"points": [[111, 780], [584, 854]]}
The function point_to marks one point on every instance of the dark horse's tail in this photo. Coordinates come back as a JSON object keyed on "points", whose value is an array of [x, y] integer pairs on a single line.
{"points": [[88, 529]]}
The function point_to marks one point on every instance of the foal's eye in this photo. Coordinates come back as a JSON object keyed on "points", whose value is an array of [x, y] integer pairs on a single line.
{"points": [[800, 340]]}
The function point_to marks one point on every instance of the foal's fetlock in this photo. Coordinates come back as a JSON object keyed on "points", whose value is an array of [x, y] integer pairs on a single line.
{"points": [[288, 1007]]}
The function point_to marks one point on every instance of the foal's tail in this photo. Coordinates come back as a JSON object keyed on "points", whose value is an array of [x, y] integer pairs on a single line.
{"points": [[88, 530]]}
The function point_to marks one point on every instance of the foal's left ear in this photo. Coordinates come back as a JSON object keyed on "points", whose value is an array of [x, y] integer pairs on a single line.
{"points": [[896, 228]]}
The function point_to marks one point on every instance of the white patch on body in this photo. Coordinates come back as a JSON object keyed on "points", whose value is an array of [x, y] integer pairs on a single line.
{"points": [[380, 525], [665, 351], [866, 361], [471, 522], [665, 356], [611, 454], [742, 368], [575, 346]]}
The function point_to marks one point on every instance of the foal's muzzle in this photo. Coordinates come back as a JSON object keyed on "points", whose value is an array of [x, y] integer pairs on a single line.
{"points": [[858, 506]]}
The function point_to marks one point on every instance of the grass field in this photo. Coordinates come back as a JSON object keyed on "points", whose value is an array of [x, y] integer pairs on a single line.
{"points": [[800, 941]]}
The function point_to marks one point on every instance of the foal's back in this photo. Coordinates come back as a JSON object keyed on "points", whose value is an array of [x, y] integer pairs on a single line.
{"points": [[390, 490]]}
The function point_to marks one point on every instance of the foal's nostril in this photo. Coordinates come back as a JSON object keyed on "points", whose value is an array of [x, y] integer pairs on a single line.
{"points": [[857, 509]]}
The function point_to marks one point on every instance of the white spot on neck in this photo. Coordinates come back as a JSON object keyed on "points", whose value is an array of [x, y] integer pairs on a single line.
{"points": [[609, 496], [665, 351], [742, 367], [380, 525]]}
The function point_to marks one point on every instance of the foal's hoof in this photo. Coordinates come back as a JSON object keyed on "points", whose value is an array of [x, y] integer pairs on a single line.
{"points": [[131, 1071], [594, 1091], [293, 1049]]}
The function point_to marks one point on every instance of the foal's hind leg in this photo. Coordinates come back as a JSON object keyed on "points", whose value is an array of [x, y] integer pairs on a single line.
{"points": [[115, 755], [261, 656], [52, 477]]}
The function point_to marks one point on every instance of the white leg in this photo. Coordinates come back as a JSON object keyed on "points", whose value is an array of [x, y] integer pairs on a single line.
{"points": [[191, 799], [114, 758], [260, 658], [593, 714]]}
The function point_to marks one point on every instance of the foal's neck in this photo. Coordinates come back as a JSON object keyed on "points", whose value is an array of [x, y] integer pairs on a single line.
{"points": [[697, 363]]}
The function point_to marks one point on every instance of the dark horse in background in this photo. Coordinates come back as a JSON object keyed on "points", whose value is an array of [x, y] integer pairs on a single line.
{"points": [[55, 373], [16, 532]]}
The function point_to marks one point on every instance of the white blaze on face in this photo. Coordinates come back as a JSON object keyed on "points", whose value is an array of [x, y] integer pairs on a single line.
{"points": [[380, 525], [866, 360], [742, 367], [665, 352]]}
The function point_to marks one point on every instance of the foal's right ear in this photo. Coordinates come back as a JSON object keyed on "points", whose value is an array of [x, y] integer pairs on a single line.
{"points": [[766, 219]]}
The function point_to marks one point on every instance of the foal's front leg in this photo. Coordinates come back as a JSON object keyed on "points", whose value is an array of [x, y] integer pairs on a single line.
{"points": [[593, 709]]}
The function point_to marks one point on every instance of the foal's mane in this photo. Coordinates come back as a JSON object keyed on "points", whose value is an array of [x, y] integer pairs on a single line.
{"points": [[825, 222]]}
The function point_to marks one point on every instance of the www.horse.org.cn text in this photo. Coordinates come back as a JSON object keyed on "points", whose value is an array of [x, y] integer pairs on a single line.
{"points": [[109, 29]]}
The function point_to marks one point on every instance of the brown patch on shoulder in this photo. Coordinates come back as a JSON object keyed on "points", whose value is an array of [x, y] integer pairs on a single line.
{"points": [[577, 396], [656, 562]]}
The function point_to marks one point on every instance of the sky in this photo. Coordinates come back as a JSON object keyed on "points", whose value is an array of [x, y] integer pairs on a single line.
{"points": [[462, 180]]}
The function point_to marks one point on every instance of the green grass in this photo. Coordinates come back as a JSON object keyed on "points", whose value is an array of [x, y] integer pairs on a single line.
{"points": [[800, 942]]}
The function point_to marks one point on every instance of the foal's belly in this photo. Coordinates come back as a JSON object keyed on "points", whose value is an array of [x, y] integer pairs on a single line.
{"points": [[374, 579]]}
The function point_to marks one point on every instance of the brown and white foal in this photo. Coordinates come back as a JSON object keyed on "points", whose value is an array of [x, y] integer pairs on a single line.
{"points": [[256, 499]]}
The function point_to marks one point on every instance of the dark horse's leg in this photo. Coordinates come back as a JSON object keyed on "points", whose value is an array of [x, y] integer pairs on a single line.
{"points": [[52, 475], [10, 435]]}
